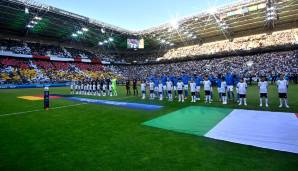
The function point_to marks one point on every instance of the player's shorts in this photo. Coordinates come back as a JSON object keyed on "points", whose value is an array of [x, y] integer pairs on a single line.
{"points": [[169, 91], [193, 93], [185, 87], [230, 88], [175, 88], [164, 87], [242, 95], [263, 95], [282, 95], [198, 88], [223, 94], [207, 92], [151, 91], [160, 93], [179, 91], [143, 92]]}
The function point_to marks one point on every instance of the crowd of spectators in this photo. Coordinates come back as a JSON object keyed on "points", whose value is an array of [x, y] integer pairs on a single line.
{"points": [[14, 70], [257, 41], [267, 64], [19, 71], [37, 49]]}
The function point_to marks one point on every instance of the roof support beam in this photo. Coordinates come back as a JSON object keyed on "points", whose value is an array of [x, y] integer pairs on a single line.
{"points": [[224, 27]]}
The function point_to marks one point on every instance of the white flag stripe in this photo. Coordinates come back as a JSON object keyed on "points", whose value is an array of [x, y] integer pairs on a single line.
{"points": [[272, 130]]}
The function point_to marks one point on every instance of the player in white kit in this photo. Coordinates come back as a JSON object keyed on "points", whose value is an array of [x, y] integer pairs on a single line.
{"points": [[151, 90], [242, 88], [207, 89], [143, 89], [193, 91], [263, 87], [82, 88], [160, 91], [169, 85], [223, 91], [282, 87], [72, 87], [180, 86], [93, 88]]}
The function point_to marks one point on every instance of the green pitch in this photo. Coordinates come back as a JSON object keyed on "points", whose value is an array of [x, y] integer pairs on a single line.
{"points": [[75, 136]]}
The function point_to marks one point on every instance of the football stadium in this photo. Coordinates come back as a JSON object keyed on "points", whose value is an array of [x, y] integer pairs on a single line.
{"points": [[212, 90]]}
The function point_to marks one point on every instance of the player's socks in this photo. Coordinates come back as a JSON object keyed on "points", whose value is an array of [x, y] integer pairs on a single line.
{"points": [[280, 102], [266, 100], [261, 102], [286, 103], [245, 102]]}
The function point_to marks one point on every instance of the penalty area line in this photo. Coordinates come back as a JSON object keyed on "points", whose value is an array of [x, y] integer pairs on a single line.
{"points": [[39, 110]]}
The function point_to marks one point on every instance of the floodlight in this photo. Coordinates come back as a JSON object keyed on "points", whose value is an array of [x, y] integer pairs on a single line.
{"points": [[174, 23], [26, 10], [105, 41], [212, 10], [74, 35], [79, 32], [29, 26], [111, 39], [33, 22], [85, 29], [100, 43], [37, 18]]}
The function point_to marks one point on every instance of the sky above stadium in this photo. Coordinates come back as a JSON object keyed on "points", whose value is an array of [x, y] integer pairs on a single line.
{"points": [[135, 14]]}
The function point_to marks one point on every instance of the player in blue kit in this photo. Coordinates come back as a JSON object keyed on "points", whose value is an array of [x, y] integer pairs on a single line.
{"points": [[175, 81], [156, 82], [218, 84], [185, 79], [164, 79], [198, 81], [230, 85]]}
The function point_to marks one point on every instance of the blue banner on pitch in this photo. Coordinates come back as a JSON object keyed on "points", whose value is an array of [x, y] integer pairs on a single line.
{"points": [[116, 103]]}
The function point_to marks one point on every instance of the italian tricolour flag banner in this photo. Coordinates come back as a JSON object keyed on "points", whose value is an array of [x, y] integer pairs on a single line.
{"points": [[271, 130]]}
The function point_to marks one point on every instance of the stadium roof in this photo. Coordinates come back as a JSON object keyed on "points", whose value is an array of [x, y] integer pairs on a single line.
{"points": [[35, 19]]}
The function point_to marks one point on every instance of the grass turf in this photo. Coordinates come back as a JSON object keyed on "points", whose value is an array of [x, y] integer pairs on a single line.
{"points": [[99, 137]]}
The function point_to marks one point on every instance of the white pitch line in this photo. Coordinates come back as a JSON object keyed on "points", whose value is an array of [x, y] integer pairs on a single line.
{"points": [[38, 110]]}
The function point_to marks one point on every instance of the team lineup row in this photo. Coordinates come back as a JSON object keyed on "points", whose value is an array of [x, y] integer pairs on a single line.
{"points": [[170, 89]]}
